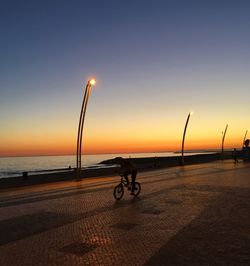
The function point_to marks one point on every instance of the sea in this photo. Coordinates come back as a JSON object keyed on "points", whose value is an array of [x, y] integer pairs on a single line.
{"points": [[15, 166]]}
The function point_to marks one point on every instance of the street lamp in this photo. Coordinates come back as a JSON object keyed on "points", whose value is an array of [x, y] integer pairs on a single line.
{"points": [[80, 127], [244, 139], [223, 139], [183, 139]]}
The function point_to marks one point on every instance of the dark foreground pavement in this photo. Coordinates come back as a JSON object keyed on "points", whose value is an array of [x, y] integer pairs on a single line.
{"points": [[192, 215]]}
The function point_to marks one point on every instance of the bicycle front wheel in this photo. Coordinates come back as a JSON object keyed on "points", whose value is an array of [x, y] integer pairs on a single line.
{"points": [[137, 189], [118, 192]]}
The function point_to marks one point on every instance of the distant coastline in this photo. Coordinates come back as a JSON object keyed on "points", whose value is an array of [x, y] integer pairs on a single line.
{"points": [[202, 151]]}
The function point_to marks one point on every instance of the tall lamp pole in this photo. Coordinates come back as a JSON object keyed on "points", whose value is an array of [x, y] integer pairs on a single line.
{"points": [[183, 138], [223, 139], [244, 138], [80, 128]]}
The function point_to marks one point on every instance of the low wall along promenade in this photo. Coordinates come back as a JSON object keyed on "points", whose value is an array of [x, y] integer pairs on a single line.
{"points": [[110, 167]]}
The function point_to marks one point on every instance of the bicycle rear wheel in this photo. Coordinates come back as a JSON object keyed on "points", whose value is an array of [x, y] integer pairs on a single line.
{"points": [[118, 192], [137, 189]]}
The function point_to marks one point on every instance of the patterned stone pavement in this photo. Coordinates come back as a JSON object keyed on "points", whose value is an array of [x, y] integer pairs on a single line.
{"points": [[191, 215]]}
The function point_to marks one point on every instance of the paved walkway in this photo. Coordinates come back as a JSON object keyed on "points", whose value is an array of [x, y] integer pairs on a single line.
{"points": [[192, 215]]}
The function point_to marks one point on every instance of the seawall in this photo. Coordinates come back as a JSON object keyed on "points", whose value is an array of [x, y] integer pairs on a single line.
{"points": [[143, 164]]}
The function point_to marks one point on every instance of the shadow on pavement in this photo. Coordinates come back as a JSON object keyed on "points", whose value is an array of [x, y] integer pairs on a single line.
{"points": [[219, 236]]}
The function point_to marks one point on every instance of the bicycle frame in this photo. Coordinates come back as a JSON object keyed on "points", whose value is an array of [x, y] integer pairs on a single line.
{"points": [[124, 182], [119, 189]]}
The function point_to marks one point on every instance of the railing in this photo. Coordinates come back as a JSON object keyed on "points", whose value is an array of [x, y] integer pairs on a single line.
{"points": [[25, 173]]}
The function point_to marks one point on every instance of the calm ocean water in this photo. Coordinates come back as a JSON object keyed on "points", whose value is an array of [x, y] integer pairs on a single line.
{"points": [[14, 166]]}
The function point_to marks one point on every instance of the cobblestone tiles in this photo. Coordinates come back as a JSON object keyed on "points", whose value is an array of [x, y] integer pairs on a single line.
{"points": [[220, 235], [112, 244], [171, 222]]}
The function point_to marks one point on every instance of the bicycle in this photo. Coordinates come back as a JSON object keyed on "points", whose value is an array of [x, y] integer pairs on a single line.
{"points": [[119, 189]]}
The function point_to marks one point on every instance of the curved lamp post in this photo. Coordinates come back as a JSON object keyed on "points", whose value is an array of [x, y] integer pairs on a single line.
{"points": [[183, 138], [223, 139], [244, 138], [80, 128]]}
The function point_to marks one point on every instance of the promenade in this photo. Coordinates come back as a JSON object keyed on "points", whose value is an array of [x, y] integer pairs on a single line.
{"points": [[191, 215]]}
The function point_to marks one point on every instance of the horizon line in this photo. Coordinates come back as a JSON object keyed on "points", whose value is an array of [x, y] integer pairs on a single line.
{"points": [[72, 154]]}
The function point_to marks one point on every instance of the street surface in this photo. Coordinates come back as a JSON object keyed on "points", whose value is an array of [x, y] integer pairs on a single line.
{"points": [[191, 215]]}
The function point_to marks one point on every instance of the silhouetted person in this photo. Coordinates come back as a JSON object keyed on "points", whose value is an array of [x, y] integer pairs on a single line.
{"points": [[246, 150], [155, 162], [246, 143], [126, 169], [234, 155]]}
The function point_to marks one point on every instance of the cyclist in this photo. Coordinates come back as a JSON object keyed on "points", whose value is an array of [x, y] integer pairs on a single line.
{"points": [[126, 169]]}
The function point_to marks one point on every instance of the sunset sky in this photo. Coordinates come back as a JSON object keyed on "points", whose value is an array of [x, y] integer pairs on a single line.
{"points": [[153, 60]]}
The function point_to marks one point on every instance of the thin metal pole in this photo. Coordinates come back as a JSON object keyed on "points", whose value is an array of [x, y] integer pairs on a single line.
{"points": [[84, 112], [244, 139], [222, 144], [80, 128], [183, 140]]}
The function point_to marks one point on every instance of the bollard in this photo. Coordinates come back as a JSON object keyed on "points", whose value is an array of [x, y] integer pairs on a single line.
{"points": [[25, 175]]}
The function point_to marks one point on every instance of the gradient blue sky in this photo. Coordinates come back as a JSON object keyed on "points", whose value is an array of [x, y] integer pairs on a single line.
{"points": [[154, 61]]}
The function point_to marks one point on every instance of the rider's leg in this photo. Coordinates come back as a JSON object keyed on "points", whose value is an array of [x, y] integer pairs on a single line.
{"points": [[126, 177]]}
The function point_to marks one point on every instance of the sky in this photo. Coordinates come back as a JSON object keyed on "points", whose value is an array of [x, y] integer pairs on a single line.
{"points": [[154, 61]]}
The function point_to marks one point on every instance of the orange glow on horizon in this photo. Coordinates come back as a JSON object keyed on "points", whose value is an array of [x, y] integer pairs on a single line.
{"points": [[108, 147], [114, 139]]}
